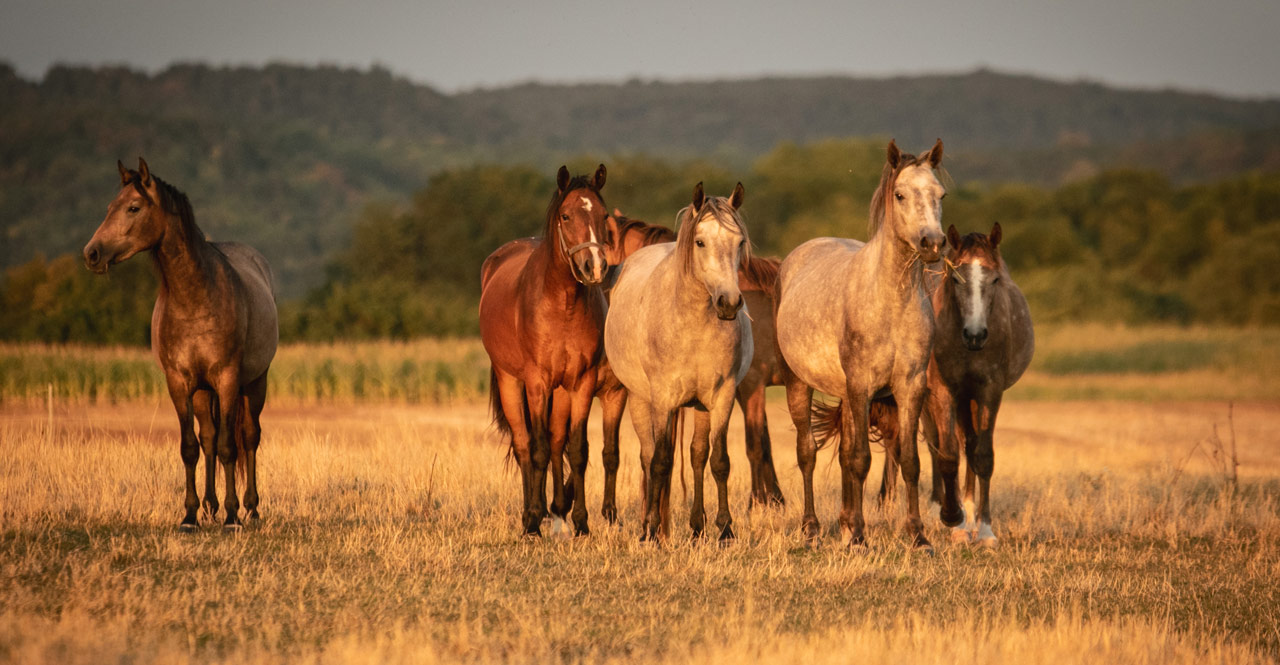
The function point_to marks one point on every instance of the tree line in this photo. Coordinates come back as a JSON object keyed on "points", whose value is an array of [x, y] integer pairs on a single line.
{"points": [[1120, 246]]}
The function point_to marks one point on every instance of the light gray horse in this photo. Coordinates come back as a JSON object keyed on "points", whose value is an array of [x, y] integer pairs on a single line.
{"points": [[854, 321], [674, 338]]}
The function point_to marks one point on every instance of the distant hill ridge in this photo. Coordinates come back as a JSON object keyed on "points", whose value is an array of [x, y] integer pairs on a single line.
{"points": [[306, 148]]}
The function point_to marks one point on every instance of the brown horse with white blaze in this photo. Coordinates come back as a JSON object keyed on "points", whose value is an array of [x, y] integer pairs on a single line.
{"points": [[213, 331], [542, 320]]}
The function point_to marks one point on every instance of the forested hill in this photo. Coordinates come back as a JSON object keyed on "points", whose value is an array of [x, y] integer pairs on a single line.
{"points": [[286, 157]]}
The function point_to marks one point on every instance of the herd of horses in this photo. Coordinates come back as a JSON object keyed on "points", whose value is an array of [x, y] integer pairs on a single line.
{"points": [[907, 336]]}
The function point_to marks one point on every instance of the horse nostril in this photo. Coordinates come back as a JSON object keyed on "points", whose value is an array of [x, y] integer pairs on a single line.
{"points": [[92, 256]]}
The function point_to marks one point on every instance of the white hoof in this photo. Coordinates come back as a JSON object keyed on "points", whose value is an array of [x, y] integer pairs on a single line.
{"points": [[961, 536]]}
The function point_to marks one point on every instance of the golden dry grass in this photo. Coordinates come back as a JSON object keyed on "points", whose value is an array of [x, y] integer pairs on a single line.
{"points": [[390, 535]]}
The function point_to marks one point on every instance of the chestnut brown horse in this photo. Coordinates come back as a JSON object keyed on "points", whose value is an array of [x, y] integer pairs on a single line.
{"points": [[213, 331], [541, 320], [755, 278], [983, 344]]}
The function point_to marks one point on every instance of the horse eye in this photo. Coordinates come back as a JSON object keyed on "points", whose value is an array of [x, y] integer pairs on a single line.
{"points": [[898, 196], [134, 209], [564, 217], [699, 243]]}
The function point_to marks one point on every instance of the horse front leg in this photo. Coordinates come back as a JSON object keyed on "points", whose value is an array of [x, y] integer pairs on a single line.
{"points": [[579, 452], [984, 463], [229, 407], [855, 462], [205, 406], [699, 450], [539, 453], [913, 392], [799, 400], [719, 420], [939, 422], [189, 448], [561, 407]]}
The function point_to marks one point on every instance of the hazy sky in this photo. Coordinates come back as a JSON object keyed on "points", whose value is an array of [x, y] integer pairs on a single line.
{"points": [[1223, 46]]}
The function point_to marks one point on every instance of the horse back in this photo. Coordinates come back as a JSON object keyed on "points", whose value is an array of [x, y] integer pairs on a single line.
{"points": [[262, 331]]}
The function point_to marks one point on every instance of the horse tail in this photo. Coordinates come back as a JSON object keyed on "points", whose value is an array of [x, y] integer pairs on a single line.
{"points": [[825, 419], [499, 417], [760, 273], [824, 422], [884, 423]]}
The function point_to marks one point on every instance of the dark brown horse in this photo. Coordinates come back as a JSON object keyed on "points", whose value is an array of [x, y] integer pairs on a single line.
{"points": [[984, 342], [757, 274], [213, 330], [541, 319]]}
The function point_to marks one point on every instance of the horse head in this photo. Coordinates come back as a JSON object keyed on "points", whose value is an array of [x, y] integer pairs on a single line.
{"points": [[577, 219], [975, 278], [909, 199], [135, 220], [713, 245]]}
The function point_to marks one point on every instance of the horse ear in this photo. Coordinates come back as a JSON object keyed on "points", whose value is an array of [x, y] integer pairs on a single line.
{"points": [[996, 235], [144, 172], [953, 236], [124, 173], [735, 199], [894, 154], [599, 179], [935, 155], [611, 228], [698, 197], [562, 178]]}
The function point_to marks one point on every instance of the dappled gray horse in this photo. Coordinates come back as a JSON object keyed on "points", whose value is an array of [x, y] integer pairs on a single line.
{"points": [[854, 321], [674, 338]]}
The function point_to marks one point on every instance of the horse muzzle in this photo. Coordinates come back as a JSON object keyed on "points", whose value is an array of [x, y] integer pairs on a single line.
{"points": [[591, 270], [95, 258], [727, 308], [974, 341], [930, 246]]}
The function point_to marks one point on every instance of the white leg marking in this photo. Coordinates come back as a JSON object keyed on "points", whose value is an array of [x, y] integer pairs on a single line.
{"points": [[986, 537]]}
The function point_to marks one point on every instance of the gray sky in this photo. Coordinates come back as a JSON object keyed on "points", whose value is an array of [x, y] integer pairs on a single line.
{"points": [[1221, 46]]}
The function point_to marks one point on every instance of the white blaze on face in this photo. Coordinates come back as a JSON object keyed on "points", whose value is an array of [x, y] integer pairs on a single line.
{"points": [[976, 315]]}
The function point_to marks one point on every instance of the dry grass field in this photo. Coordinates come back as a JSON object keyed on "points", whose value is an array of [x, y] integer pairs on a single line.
{"points": [[390, 536]]}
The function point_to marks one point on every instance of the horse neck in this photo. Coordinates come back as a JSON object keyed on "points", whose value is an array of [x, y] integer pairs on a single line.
{"points": [[184, 261], [898, 269], [553, 269]]}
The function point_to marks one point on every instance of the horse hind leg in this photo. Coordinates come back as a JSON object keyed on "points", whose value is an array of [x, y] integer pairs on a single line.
{"points": [[226, 420], [250, 432], [612, 403], [764, 479], [579, 455], [511, 399], [799, 399], [189, 447]]}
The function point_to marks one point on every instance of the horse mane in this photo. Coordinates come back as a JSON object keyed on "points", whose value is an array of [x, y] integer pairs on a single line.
{"points": [[172, 200], [577, 182], [759, 273], [650, 233], [882, 200], [722, 210]]}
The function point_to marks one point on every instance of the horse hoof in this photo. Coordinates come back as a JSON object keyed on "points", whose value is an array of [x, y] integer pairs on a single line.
{"points": [[922, 545], [951, 519], [961, 536], [253, 514], [858, 544], [726, 534], [188, 527], [232, 527], [610, 514], [988, 543]]}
